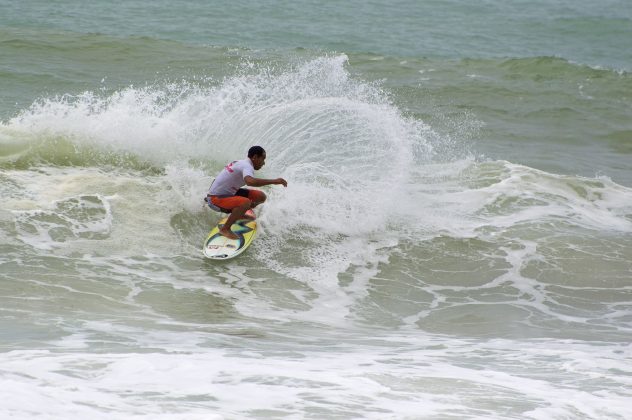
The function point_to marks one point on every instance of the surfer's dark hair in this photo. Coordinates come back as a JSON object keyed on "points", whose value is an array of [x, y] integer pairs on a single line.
{"points": [[255, 151]]}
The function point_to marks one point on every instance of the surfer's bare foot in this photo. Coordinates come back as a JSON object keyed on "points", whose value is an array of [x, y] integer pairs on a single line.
{"points": [[228, 233]]}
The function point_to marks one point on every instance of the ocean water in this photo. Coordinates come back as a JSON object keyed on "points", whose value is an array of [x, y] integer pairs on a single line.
{"points": [[455, 241]]}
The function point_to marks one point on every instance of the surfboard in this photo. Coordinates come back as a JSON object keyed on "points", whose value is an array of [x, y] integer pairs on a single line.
{"points": [[219, 247]]}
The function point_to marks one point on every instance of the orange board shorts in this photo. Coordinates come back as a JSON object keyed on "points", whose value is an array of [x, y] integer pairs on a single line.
{"points": [[241, 196]]}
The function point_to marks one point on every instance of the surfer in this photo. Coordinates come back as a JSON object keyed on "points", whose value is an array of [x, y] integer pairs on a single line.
{"points": [[226, 191]]}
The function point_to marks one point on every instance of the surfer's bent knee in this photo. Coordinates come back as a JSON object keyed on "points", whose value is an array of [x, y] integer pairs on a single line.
{"points": [[257, 196]]}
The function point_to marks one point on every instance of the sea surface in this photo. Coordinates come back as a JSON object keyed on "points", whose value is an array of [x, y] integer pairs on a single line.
{"points": [[455, 241]]}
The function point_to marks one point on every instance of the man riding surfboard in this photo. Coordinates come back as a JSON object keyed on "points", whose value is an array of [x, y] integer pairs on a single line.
{"points": [[226, 191]]}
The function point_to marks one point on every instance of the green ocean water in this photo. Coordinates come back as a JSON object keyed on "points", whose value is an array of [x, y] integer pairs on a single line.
{"points": [[455, 240]]}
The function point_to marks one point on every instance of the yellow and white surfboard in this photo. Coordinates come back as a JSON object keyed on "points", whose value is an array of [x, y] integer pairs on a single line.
{"points": [[219, 247]]}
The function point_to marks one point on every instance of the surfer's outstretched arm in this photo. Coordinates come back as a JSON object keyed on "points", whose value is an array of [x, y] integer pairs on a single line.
{"points": [[260, 182]]}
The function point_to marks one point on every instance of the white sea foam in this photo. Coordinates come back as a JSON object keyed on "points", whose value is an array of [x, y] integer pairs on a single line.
{"points": [[408, 377]]}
